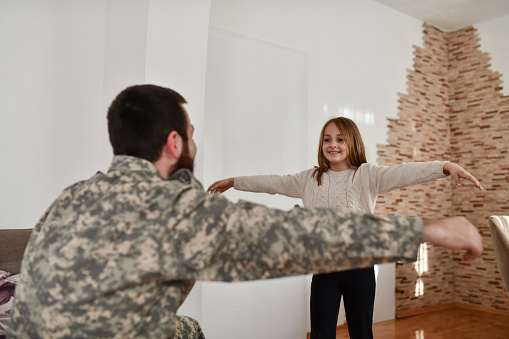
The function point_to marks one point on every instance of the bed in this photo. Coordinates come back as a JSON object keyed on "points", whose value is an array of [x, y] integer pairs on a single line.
{"points": [[12, 247]]}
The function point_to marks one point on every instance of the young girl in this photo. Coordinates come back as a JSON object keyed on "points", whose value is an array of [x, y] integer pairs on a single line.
{"points": [[344, 179]]}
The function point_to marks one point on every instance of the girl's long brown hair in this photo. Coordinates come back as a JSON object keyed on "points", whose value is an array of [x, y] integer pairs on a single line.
{"points": [[353, 139]]}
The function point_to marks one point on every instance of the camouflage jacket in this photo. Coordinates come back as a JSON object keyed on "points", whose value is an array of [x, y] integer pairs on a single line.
{"points": [[117, 254]]}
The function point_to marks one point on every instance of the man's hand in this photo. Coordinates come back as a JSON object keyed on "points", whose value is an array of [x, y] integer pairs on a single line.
{"points": [[455, 233]]}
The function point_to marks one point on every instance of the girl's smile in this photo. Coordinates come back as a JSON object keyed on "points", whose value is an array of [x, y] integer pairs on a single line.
{"points": [[334, 148]]}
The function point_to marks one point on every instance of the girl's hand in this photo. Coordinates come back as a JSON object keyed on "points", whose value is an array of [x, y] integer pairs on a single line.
{"points": [[221, 186], [457, 172]]}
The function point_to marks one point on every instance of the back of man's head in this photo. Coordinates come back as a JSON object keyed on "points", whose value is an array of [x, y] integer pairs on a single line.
{"points": [[140, 119]]}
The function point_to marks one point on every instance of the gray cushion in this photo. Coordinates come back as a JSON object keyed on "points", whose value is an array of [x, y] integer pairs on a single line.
{"points": [[12, 247]]}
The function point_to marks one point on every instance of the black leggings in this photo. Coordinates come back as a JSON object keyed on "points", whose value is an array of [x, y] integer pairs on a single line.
{"points": [[358, 290]]}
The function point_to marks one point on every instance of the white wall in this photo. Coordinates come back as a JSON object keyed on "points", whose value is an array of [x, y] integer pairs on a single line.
{"points": [[357, 54], [494, 40], [124, 62], [61, 65], [51, 64], [62, 62]]}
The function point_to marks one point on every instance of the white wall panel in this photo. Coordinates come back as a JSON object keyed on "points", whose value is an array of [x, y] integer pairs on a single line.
{"points": [[255, 113]]}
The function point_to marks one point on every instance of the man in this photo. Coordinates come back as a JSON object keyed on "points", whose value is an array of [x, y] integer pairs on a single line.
{"points": [[117, 254]]}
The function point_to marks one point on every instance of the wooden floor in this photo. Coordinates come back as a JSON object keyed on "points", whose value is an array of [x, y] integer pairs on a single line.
{"points": [[453, 322]]}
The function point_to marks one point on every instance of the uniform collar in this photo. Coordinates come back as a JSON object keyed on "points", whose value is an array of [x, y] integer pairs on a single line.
{"points": [[127, 163], [186, 177]]}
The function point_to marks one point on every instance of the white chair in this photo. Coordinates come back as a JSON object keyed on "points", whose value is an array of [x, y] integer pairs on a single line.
{"points": [[499, 226]]}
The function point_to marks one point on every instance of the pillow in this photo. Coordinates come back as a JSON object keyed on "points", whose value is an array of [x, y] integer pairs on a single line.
{"points": [[8, 283]]}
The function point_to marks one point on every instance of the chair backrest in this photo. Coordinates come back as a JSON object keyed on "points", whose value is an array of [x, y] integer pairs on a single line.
{"points": [[499, 226]]}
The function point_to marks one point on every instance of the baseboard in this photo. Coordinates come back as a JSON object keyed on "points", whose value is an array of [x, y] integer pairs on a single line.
{"points": [[410, 313]]}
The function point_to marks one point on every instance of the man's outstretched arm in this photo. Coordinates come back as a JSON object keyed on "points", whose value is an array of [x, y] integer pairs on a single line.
{"points": [[246, 241]]}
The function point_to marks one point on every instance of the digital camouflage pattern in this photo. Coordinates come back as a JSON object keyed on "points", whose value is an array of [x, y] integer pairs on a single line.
{"points": [[188, 328], [116, 255]]}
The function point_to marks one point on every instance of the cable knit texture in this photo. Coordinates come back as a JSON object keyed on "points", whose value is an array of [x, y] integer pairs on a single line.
{"points": [[355, 188]]}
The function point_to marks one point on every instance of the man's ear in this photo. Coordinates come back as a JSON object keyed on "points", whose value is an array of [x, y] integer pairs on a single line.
{"points": [[174, 144]]}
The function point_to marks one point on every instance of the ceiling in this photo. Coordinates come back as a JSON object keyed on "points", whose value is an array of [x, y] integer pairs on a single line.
{"points": [[451, 15]]}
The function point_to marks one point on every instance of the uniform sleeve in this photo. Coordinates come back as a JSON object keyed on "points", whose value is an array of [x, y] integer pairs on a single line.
{"points": [[389, 178], [245, 241], [40, 224], [289, 185], [35, 233]]}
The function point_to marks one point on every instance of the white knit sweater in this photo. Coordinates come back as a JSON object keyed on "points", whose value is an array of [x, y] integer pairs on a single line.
{"points": [[355, 188]]}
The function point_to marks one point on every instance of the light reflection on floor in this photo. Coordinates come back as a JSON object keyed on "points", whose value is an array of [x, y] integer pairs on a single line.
{"points": [[421, 267], [455, 320]]}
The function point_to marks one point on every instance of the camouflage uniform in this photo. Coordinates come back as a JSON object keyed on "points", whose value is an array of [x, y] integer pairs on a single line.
{"points": [[116, 255], [188, 328]]}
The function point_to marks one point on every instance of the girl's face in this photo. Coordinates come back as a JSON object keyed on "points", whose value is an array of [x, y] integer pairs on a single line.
{"points": [[334, 148]]}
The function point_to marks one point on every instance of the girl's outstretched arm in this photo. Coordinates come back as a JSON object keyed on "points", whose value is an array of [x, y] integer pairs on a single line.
{"points": [[457, 172], [221, 186]]}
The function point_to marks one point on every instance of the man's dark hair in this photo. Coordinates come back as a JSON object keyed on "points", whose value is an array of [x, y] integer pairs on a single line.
{"points": [[140, 119]]}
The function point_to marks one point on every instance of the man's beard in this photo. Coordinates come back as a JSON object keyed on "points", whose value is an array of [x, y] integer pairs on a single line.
{"points": [[185, 160]]}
